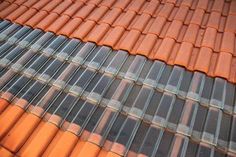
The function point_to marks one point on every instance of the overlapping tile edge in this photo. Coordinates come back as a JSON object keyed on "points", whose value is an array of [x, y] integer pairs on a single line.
{"points": [[132, 74], [199, 35]]}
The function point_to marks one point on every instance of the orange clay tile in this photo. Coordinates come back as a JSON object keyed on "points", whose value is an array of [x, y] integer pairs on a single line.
{"points": [[174, 29], [15, 138], [141, 22], [230, 25], [5, 12], [97, 13], [232, 10], [33, 21], [39, 140], [97, 33], [19, 2], [58, 23], [129, 41], [147, 45], [111, 154], [72, 9], [95, 2], [8, 118], [136, 5], [182, 13], [30, 3], [151, 7], [125, 19], [53, 142], [165, 49], [233, 71], [77, 148], [63, 146], [3, 104], [184, 54], [40, 4], [197, 17], [43, 24], [203, 60], [15, 14], [50, 6], [209, 38], [89, 150], [223, 65], [61, 7], [214, 20], [110, 16], [113, 36], [166, 10], [84, 11], [191, 33], [83, 29], [107, 3], [218, 6], [26, 16], [4, 5], [202, 4], [70, 26], [121, 4], [157, 26], [5, 153], [228, 42]]}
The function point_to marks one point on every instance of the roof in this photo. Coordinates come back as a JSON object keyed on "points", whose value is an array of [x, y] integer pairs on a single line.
{"points": [[117, 78], [198, 35]]}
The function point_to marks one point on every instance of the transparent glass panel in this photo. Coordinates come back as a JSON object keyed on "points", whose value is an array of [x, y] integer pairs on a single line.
{"points": [[30, 38], [42, 41], [83, 53], [218, 93], [19, 34]]}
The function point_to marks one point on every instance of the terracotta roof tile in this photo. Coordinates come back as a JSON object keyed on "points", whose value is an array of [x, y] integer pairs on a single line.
{"points": [[5, 12], [26, 16], [113, 36], [83, 29], [111, 16], [98, 13], [36, 19], [228, 42], [72, 9], [174, 29], [218, 6], [232, 10], [230, 25], [85, 11], [121, 4], [214, 20], [223, 65], [147, 45], [70, 26], [15, 14], [29, 4], [165, 49], [125, 19], [141, 22], [197, 17], [166, 10], [135, 5], [204, 59], [157, 25], [107, 3], [98, 33], [50, 6], [209, 38], [151, 7], [184, 54], [40, 4], [48, 20], [58, 23], [132, 37]]}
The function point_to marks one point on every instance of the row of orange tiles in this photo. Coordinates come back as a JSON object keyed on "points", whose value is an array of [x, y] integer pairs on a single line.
{"points": [[190, 46]]}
